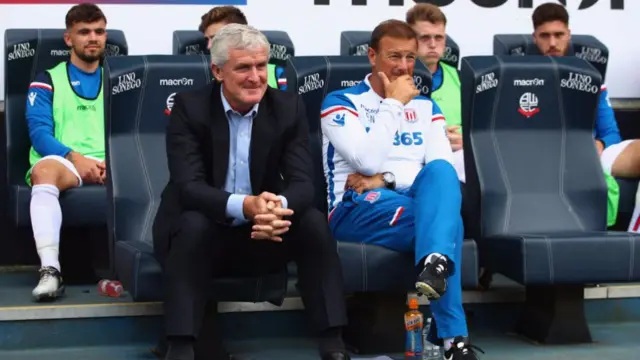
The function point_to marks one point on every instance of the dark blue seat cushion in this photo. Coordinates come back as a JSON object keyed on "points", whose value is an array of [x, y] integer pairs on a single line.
{"points": [[29, 52], [565, 258], [81, 207], [378, 269], [141, 275]]}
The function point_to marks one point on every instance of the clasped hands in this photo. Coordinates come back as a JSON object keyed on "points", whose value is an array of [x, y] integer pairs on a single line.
{"points": [[361, 183], [267, 214]]}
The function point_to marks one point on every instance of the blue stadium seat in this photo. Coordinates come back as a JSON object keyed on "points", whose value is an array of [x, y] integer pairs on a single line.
{"points": [[189, 42], [357, 43], [586, 47], [595, 52], [367, 268], [137, 171], [30, 51], [531, 161]]}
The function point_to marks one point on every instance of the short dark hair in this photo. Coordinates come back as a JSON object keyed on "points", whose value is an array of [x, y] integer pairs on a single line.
{"points": [[393, 28], [86, 13], [426, 12], [226, 14], [549, 12]]}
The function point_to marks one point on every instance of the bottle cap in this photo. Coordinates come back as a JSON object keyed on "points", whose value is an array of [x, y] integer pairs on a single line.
{"points": [[413, 303]]}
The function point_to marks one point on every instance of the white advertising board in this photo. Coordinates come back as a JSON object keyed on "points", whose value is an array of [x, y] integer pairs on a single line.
{"points": [[315, 29]]}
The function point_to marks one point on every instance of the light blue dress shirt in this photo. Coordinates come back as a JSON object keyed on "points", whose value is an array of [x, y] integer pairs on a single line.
{"points": [[238, 180]]}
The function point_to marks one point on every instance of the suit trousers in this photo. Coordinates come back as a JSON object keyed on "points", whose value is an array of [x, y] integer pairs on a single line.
{"points": [[201, 250]]}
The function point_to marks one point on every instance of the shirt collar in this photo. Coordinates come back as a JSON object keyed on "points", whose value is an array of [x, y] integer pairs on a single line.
{"points": [[366, 81], [227, 108]]}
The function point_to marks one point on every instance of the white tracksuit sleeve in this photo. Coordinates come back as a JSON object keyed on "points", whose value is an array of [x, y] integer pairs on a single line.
{"points": [[438, 146], [366, 151]]}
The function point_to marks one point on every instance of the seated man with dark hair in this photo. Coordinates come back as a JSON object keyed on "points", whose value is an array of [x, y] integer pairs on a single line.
{"points": [[391, 180], [66, 129], [619, 158], [220, 16]]}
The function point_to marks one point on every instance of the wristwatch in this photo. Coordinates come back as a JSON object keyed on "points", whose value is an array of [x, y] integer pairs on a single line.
{"points": [[389, 180]]}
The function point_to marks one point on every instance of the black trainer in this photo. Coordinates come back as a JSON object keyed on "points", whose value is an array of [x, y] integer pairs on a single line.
{"points": [[460, 350], [432, 281]]}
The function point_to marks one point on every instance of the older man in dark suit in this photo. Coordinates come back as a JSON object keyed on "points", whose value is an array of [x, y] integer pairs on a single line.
{"points": [[239, 196]]}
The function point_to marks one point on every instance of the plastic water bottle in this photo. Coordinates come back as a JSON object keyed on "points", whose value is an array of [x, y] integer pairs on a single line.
{"points": [[413, 321], [431, 351], [110, 288]]}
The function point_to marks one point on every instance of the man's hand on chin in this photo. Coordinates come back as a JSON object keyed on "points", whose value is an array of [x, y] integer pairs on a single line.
{"points": [[361, 183], [269, 223]]}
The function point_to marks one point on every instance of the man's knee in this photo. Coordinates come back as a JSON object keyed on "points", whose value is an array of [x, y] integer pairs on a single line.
{"points": [[439, 169], [312, 225], [193, 233], [52, 172], [627, 163], [440, 175]]}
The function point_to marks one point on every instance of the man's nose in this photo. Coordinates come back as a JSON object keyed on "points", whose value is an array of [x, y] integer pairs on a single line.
{"points": [[254, 75], [403, 65]]}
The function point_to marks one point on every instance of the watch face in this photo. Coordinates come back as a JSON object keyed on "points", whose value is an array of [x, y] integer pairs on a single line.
{"points": [[388, 177]]}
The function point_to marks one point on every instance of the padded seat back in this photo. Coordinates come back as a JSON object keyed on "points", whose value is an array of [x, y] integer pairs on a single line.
{"points": [[192, 42], [189, 42], [356, 43], [531, 156], [29, 52], [314, 77], [586, 47], [139, 102]]}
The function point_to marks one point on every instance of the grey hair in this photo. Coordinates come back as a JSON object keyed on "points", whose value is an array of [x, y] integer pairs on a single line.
{"points": [[238, 37]]}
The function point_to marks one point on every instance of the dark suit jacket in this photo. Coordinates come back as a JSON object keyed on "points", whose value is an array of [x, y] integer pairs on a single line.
{"points": [[198, 156]]}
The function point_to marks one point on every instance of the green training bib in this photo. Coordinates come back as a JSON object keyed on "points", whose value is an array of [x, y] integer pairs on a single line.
{"points": [[78, 122]]}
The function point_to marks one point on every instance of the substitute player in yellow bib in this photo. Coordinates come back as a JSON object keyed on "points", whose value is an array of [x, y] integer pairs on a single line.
{"points": [[66, 128]]}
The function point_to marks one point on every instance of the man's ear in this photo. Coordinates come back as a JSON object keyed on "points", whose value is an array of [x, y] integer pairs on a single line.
{"points": [[217, 72], [67, 37], [372, 56]]}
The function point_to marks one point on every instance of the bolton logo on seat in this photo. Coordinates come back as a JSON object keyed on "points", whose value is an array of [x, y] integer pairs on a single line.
{"points": [[528, 104], [167, 110]]}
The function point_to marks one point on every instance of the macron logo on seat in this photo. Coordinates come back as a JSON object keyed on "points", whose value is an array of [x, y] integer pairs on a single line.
{"points": [[176, 82]]}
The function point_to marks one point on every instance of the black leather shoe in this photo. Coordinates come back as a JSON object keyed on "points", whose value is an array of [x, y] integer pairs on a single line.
{"points": [[180, 350], [336, 356]]}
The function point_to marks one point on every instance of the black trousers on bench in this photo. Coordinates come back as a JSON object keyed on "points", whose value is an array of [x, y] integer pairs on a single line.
{"points": [[199, 250]]}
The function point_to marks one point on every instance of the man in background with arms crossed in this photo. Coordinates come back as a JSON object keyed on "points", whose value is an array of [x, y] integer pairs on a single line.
{"points": [[66, 129]]}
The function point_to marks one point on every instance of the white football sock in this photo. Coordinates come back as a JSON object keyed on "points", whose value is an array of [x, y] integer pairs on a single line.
{"points": [[46, 220]]}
